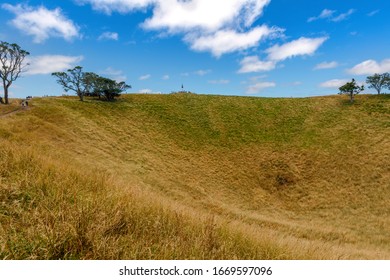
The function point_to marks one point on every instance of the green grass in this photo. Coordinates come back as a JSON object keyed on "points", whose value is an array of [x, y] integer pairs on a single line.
{"points": [[196, 177]]}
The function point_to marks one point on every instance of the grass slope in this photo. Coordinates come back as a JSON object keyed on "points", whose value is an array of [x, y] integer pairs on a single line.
{"points": [[196, 177]]}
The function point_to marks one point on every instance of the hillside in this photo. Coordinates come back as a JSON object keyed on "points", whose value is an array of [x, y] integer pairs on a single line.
{"points": [[196, 177]]}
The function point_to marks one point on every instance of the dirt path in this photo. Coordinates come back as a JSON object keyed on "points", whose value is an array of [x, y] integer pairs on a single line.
{"points": [[7, 114]]}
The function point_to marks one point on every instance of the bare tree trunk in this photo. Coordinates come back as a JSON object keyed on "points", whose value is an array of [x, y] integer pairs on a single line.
{"points": [[6, 96], [5, 92], [352, 97], [81, 95]]}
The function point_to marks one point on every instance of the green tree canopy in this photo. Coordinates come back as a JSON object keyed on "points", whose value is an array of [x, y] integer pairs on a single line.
{"points": [[351, 89], [89, 84], [107, 88]]}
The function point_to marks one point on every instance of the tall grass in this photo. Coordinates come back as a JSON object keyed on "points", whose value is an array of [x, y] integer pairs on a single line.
{"points": [[52, 211]]}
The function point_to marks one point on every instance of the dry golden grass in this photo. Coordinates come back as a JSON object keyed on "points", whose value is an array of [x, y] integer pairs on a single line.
{"points": [[196, 177]]}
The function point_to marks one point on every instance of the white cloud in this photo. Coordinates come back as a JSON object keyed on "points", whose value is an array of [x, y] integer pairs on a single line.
{"points": [[47, 64], [227, 41], [370, 67], [117, 75], [219, 82], [120, 6], [166, 77], [335, 83], [145, 90], [324, 14], [42, 23], [301, 46], [217, 26], [259, 86], [178, 16], [252, 64], [109, 36], [326, 65], [145, 77], [343, 16], [330, 15], [276, 53]]}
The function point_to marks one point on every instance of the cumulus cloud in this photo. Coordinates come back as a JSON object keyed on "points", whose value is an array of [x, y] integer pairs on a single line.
{"points": [[177, 16], [259, 86], [253, 64], [276, 53], [301, 46], [326, 65], [145, 77], [217, 26], [227, 41], [42, 23], [47, 64], [335, 83], [370, 67], [165, 77], [109, 36]]}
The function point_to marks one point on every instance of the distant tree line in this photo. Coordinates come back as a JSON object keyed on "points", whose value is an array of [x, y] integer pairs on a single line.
{"points": [[90, 84]]}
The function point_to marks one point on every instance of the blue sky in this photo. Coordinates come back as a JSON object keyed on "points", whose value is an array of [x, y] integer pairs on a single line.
{"points": [[273, 48]]}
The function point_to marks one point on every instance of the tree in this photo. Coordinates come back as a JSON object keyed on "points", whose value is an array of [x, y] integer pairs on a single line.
{"points": [[103, 87], [387, 82], [351, 89], [11, 64], [109, 88], [73, 79], [378, 81], [89, 84]]}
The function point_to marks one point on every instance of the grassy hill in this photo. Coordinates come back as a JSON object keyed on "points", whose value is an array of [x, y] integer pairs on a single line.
{"points": [[196, 177]]}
